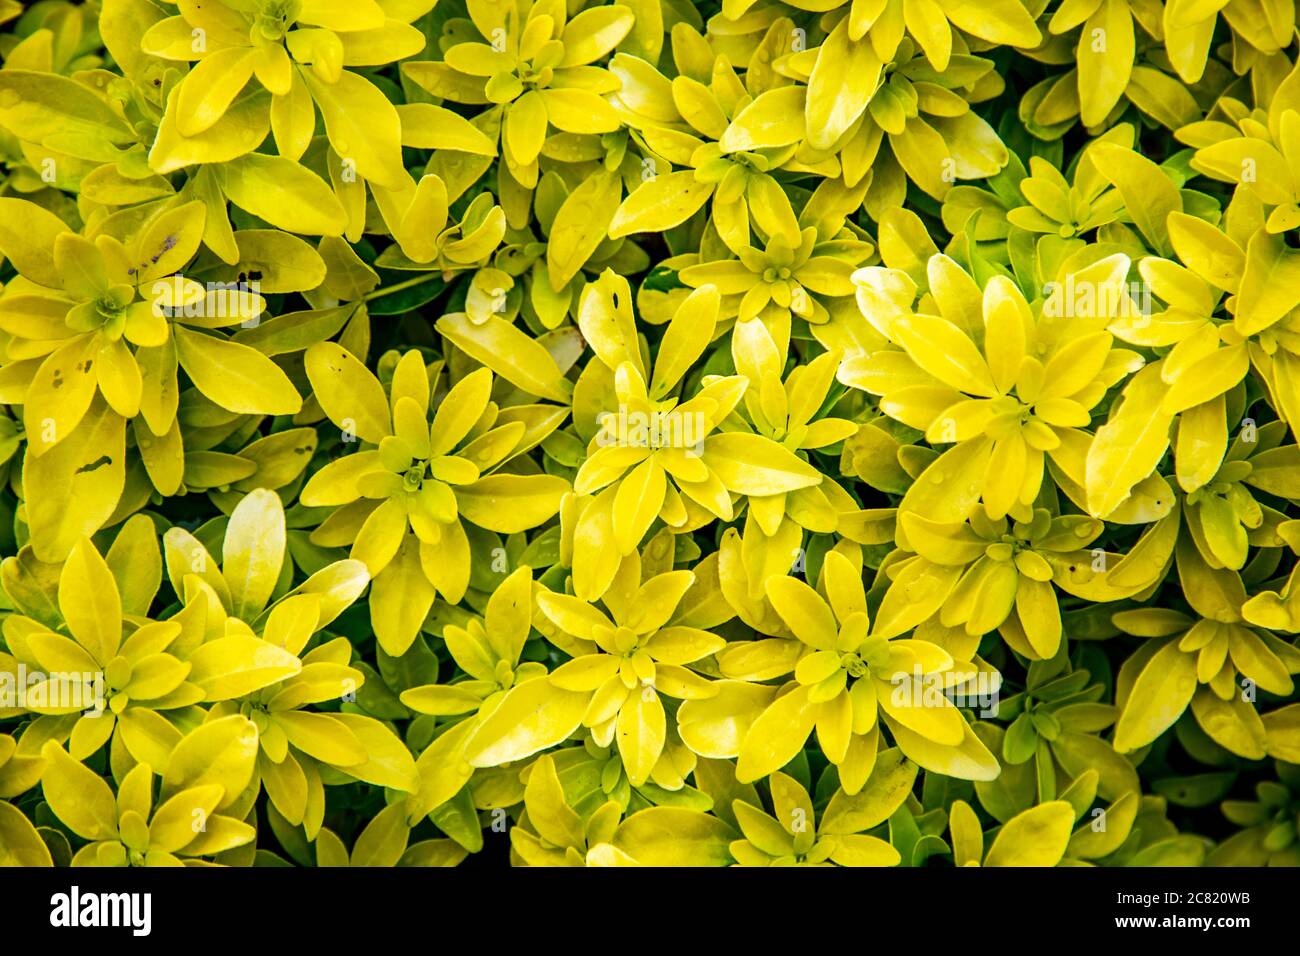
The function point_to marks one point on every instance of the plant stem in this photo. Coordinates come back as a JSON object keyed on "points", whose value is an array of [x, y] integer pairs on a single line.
{"points": [[389, 289]]}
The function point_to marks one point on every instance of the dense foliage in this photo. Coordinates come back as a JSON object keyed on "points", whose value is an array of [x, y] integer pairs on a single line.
{"points": [[649, 432]]}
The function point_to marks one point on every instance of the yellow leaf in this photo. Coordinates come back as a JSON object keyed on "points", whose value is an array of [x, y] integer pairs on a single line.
{"points": [[235, 376], [284, 193], [548, 811], [642, 729], [511, 503], [674, 836], [362, 125], [388, 763], [20, 844], [885, 790], [660, 203], [442, 770], [172, 827], [253, 552], [61, 392], [74, 487], [1105, 60], [580, 225], [841, 84], [967, 835], [239, 664], [803, 611], [774, 118], [1131, 443], [532, 716], [27, 234], [77, 795], [750, 464], [777, 736], [90, 602], [514, 355], [1036, 837], [384, 839], [400, 598], [210, 87], [1159, 696]]}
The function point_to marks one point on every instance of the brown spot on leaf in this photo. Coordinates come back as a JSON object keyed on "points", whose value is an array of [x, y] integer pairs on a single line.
{"points": [[95, 465]]}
